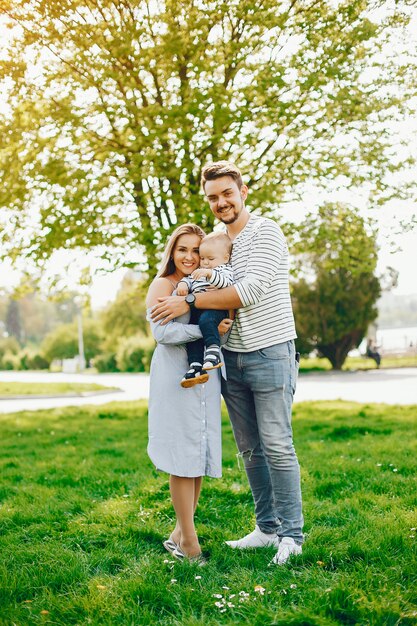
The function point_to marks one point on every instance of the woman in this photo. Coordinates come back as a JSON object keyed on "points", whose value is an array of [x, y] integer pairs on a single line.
{"points": [[184, 424]]}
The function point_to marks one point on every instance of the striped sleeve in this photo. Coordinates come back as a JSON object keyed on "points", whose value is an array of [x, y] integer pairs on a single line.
{"points": [[266, 254], [198, 285], [188, 281], [260, 265], [222, 276]]}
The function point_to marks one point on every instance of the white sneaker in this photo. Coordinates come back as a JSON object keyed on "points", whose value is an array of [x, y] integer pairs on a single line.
{"points": [[287, 548], [255, 539]]}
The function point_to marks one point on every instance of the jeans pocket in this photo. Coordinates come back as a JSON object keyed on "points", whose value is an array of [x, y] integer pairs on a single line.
{"points": [[278, 351]]}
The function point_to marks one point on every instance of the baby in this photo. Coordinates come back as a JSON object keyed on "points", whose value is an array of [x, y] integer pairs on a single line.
{"points": [[215, 272]]}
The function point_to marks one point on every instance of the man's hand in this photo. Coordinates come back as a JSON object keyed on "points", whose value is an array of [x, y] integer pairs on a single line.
{"points": [[182, 288], [202, 272], [169, 308]]}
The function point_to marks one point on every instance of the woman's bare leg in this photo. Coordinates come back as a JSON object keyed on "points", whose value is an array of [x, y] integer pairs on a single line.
{"points": [[184, 493], [176, 533], [197, 489]]}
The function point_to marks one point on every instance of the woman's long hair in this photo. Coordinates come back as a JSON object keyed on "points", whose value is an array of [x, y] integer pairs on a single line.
{"points": [[167, 266]]}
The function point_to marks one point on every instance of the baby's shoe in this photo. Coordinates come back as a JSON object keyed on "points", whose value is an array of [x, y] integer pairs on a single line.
{"points": [[196, 375], [212, 358]]}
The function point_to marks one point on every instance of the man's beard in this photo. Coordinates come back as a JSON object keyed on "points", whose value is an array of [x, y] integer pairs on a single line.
{"points": [[234, 216]]}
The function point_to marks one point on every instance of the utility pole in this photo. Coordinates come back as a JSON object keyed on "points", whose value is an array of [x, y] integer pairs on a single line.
{"points": [[81, 355]]}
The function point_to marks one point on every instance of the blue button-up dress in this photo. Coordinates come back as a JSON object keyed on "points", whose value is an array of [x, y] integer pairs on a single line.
{"points": [[184, 424]]}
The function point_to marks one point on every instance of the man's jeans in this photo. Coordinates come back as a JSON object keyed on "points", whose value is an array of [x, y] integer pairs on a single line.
{"points": [[258, 393]]}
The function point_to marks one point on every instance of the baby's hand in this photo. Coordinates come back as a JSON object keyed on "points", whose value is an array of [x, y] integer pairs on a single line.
{"points": [[224, 326], [202, 273], [182, 289]]}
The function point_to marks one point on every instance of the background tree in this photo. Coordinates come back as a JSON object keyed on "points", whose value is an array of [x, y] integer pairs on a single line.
{"points": [[37, 313], [38, 317], [126, 315], [13, 320], [114, 106], [336, 289], [126, 345], [4, 301], [62, 342]]}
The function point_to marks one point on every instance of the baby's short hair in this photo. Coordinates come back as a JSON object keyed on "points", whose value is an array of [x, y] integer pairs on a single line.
{"points": [[220, 237]]}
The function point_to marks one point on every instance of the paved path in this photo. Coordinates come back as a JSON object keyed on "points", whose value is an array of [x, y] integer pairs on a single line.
{"points": [[132, 387], [390, 386]]}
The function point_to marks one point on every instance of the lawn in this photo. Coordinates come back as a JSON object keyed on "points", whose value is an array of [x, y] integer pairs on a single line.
{"points": [[10, 389], [83, 514], [315, 364]]}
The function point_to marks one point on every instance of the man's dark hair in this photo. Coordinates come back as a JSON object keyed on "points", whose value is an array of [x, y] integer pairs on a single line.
{"points": [[211, 171]]}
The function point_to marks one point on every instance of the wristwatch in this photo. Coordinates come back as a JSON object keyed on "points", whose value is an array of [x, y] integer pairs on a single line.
{"points": [[190, 300]]}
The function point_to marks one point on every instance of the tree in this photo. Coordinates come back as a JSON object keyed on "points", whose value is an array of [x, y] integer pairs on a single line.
{"points": [[336, 289], [4, 301], [37, 317], [13, 321], [114, 107], [126, 315], [37, 313], [62, 342]]}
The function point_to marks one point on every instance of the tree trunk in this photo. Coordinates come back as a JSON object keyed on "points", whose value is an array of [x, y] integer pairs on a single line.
{"points": [[337, 351]]}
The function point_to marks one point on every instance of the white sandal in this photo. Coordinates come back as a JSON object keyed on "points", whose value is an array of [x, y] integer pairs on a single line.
{"points": [[170, 545], [198, 558]]}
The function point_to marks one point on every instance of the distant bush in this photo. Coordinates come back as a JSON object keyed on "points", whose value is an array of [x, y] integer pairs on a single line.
{"points": [[38, 362], [9, 347], [30, 360], [9, 361], [134, 353], [62, 342], [26, 359], [105, 362]]}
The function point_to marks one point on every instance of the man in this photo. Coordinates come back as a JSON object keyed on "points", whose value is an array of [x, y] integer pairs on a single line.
{"points": [[260, 360]]}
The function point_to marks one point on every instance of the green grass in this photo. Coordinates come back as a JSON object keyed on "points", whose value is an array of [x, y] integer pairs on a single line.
{"points": [[315, 364], [83, 514], [8, 389]]}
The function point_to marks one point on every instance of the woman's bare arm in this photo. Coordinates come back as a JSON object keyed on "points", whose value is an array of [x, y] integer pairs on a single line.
{"points": [[159, 288]]}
